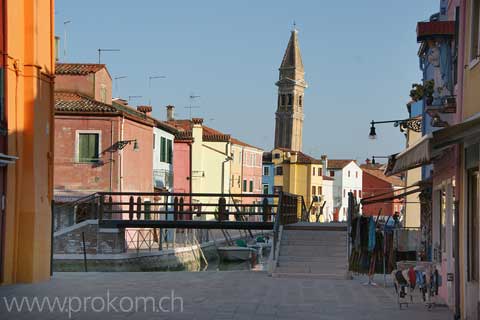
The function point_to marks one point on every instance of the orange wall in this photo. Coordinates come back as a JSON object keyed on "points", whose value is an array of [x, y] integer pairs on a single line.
{"points": [[29, 61]]}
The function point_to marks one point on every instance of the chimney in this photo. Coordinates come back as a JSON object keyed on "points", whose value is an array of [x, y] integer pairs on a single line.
{"points": [[57, 48], [293, 157], [367, 161], [147, 110], [324, 159], [170, 113], [197, 129]]}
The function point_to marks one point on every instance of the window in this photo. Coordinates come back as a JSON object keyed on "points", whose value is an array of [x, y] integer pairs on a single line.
{"points": [[279, 171], [88, 147], [356, 174], [244, 185], [283, 100], [169, 151], [251, 186], [163, 147], [474, 27], [277, 155], [266, 171], [300, 101], [313, 171], [320, 191], [265, 189], [349, 173], [314, 190], [290, 99], [332, 173], [359, 193], [277, 189], [319, 170]]}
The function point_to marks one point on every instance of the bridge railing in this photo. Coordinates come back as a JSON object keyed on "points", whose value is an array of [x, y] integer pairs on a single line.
{"points": [[179, 209]]}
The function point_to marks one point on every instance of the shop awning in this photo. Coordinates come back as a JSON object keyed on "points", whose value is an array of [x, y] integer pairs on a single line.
{"points": [[456, 134], [432, 145], [414, 156]]}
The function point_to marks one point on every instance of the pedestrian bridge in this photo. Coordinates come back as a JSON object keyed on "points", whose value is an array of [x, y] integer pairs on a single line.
{"points": [[196, 210]]}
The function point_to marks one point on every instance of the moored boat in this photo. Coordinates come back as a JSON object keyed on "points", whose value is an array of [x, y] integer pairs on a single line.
{"points": [[236, 253]]}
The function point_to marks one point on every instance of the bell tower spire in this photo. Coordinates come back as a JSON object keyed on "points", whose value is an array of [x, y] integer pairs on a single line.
{"points": [[291, 86]]}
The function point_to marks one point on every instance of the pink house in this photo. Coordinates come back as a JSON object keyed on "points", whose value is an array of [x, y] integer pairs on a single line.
{"points": [[98, 146]]}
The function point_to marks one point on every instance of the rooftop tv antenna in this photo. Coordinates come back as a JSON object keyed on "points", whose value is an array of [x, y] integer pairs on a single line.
{"points": [[65, 23], [133, 97], [115, 81], [192, 97], [104, 50], [150, 78]]}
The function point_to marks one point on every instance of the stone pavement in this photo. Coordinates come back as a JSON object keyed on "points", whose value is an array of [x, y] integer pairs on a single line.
{"points": [[215, 295]]}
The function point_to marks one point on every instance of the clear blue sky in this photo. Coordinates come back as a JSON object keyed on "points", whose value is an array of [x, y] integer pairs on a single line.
{"points": [[360, 60]]}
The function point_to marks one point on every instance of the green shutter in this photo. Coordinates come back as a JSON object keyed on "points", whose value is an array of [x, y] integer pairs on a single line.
{"points": [[169, 151], [251, 185], [163, 147], [88, 147]]}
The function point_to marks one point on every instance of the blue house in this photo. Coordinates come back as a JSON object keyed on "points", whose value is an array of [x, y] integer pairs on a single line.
{"points": [[267, 174]]}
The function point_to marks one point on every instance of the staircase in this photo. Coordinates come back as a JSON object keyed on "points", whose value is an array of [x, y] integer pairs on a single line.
{"points": [[313, 250]]}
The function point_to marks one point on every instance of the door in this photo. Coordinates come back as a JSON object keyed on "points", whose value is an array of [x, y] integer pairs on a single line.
{"points": [[473, 259]]}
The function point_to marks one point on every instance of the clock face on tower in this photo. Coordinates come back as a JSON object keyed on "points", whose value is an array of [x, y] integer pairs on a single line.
{"points": [[291, 86]]}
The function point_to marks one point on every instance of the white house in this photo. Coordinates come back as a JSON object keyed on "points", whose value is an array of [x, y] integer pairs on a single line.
{"points": [[327, 192], [347, 176], [163, 136]]}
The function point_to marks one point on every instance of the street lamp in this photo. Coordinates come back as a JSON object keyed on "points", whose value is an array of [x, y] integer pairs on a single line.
{"points": [[373, 134], [413, 124]]}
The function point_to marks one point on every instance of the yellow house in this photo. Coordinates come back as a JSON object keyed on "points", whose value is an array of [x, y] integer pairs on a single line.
{"points": [[26, 139], [300, 174]]}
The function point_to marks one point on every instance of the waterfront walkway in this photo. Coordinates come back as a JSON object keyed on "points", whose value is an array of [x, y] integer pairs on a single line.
{"points": [[221, 295]]}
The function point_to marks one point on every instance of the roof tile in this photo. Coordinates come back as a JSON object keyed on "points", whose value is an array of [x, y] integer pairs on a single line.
{"points": [[77, 68], [75, 102]]}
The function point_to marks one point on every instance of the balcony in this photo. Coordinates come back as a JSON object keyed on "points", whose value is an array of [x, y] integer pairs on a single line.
{"points": [[434, 29]]}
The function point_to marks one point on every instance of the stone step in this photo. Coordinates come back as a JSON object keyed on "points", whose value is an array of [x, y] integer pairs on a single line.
{"points": [[312, 258], [312, 251], [312, 234], [325, 275], [298, 254], [316, 243], [314, 265]]}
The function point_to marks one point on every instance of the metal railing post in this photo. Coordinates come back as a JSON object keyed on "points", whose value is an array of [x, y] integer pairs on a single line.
{"points": [[101, 208]]}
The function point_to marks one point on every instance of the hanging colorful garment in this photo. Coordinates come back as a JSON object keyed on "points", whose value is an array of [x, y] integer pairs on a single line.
{"points": [[371, 234]]}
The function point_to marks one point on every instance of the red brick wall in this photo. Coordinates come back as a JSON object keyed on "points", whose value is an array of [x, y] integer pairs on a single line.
{"points": [[71, 175], [80, 84], [88, 177], [371, 186]]}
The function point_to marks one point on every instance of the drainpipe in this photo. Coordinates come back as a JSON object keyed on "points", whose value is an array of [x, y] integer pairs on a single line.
{"points": [[121, 153], [111, 156], [227, 159]]}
